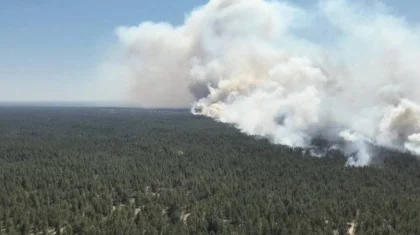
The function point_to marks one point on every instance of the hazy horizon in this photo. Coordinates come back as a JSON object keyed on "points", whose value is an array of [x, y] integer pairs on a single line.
{"points": [[93, 104]]}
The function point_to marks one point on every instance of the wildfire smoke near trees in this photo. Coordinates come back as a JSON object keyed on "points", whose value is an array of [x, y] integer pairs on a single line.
{"points": [[134, 171]]}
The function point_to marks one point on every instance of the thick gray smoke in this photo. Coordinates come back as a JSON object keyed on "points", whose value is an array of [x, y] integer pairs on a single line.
{"points": [[252, 63]]}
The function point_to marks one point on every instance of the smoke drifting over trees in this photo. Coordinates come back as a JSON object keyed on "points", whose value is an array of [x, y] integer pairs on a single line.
{"points": [[249, 63]]}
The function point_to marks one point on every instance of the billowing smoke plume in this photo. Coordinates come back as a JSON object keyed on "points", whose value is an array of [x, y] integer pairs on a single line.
{"points": [[339, 71]]}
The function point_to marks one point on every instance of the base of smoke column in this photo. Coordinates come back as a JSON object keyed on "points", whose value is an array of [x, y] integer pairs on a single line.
{"points": [[197, 110], [321, 147]]}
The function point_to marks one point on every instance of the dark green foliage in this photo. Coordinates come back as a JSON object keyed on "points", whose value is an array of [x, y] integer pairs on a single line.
{"points": [[133, 171]]}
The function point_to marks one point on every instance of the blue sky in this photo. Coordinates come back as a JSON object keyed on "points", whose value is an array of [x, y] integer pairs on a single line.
{"points": [[48, 47]]}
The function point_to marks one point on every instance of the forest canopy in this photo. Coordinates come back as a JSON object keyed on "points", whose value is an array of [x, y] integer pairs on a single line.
{"points": [[70, 170]]}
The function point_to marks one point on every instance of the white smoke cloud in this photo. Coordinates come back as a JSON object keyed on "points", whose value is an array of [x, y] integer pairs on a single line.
{"points": [[243, 62]]}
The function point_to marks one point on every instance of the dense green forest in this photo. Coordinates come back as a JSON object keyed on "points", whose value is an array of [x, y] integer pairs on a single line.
{"points": [[132, 171]]}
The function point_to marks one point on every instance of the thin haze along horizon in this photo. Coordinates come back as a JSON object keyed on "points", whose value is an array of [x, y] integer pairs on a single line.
{"points": [[290, 71]]}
